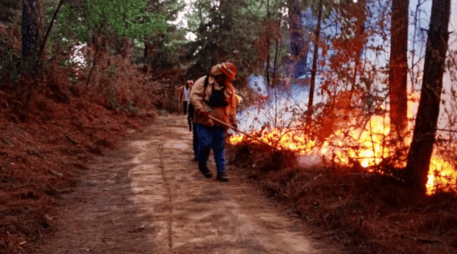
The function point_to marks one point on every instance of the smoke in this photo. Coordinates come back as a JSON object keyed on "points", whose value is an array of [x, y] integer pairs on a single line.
{"points": [[284, 107], [309, 161], [258, 85]]}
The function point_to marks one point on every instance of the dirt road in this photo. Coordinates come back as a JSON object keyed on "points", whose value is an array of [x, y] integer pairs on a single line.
{"points": [[149, 197]]}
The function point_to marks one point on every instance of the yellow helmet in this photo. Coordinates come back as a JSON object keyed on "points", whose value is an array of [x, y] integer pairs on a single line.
{"points": [[239, 100]]}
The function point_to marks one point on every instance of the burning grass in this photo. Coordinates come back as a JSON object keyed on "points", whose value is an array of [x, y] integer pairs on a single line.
{"points": [[356, 147], [343, 174], [344, 134], [366, 212]]}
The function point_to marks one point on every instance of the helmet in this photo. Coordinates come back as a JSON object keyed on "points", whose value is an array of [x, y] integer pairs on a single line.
{"points": [[229, 69], [239, 100]]}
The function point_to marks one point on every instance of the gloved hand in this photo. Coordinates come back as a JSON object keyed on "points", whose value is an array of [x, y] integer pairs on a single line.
{"points": [[203, 112], [233, 121]]}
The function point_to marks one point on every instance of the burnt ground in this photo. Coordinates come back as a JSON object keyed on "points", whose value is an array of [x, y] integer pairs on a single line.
{"points": [[149, 197]]}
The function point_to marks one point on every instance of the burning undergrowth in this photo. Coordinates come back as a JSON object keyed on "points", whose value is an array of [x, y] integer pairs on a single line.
{"points": [[365, 212], [344, 132], [343, 173]]}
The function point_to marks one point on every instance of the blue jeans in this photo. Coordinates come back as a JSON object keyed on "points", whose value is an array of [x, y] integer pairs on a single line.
{"points": [[211, 137], [194, 139]]}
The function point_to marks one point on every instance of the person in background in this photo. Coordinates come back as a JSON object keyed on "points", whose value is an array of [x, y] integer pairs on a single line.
{"points": [[191, 122], [213, 95], [185, 95]]}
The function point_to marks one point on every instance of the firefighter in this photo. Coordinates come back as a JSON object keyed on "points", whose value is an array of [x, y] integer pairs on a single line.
{"points": [[191, 122], [213, 95], [183, 96]]}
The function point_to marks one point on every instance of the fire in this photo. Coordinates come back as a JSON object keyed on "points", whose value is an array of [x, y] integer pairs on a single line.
{"points": [[282, 139], [442, 174], [365, 145]]}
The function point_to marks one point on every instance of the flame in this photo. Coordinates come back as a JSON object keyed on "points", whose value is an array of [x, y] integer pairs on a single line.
{"points": [[365, 145], [441, 174], [282, 139]]}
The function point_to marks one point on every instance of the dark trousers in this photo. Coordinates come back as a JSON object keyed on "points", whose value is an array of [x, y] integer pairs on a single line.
{"points": [[184, 107], [194, 140]]}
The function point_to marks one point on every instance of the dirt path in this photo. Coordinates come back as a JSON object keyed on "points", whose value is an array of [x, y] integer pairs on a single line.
{"points": [[149, 197]]}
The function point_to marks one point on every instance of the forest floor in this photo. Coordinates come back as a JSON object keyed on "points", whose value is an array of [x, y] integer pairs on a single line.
{"points": [[149, 197]]}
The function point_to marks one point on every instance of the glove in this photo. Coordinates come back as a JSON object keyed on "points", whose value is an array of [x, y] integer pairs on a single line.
{"points": [[233, 122], [203, 112]]}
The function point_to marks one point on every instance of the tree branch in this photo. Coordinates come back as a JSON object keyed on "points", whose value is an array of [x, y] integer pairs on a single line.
{"points": [[49, 28]]}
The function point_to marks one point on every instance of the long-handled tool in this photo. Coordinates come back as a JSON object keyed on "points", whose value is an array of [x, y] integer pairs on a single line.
{"points": [[235, 129]]}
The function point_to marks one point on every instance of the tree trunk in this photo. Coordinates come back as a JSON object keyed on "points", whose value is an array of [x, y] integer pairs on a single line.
{"points": [[314, 70], [41, 25], [275, 64], [360, 30], [414, 52], [398, 69], [30, 34], [268, 46], [429, 104], [43, 43], [297, 41]]}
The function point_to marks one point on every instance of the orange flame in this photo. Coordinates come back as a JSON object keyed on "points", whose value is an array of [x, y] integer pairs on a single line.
{"points": [[366, 145]]}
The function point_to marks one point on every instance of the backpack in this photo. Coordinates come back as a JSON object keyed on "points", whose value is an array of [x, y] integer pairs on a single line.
{"points": [[217, 98]]}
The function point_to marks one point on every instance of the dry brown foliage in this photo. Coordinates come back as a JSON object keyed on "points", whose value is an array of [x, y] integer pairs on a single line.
{"points": [[53, 124], [365, 212]]}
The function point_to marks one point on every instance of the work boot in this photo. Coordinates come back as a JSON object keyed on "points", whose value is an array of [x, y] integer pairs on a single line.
{"points": [[205, 172], [222, 176]]}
